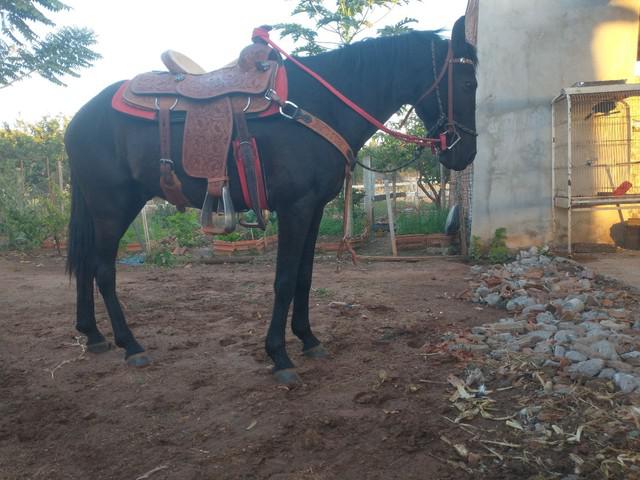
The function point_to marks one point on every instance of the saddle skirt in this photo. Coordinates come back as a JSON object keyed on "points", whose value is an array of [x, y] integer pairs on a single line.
{"points": [[208, 101]]}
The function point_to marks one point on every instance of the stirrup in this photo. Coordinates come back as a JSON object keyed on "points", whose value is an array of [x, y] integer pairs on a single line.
{"points": [[211, 224], [264, 216]]}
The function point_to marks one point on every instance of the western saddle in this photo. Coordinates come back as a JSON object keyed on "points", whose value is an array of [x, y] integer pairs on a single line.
{"points": [[215, 105], [212, 103]]}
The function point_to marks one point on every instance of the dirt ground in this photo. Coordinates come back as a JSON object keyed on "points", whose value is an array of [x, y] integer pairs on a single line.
{"points": [[208, 407]]}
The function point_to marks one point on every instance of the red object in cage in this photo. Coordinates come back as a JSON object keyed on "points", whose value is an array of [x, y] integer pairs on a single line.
{"points": [[622, 188]]}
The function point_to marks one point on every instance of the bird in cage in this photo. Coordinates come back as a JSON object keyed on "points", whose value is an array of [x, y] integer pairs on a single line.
{"points": [[603, 107]]}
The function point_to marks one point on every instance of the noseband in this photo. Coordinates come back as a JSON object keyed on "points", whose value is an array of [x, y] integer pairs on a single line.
{"points": [[446, 123]]}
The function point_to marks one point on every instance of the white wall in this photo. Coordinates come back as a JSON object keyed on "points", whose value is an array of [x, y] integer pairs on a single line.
{"points": [[529, 51]]}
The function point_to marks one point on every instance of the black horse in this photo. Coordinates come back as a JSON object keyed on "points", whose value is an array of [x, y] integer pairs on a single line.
{"points": [[115, 170]]}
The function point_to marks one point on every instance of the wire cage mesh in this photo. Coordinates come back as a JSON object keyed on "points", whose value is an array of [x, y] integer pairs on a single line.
{"points": [[597, 142]]}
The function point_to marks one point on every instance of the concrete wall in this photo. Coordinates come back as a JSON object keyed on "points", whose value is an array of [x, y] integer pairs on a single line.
{"points": [[528, 52]]}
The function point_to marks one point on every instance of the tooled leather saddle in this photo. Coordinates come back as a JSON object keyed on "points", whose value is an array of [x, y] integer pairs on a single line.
{"points": [[215, 105], [209, 100]]}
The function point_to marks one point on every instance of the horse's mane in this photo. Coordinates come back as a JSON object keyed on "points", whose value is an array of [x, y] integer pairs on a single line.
{"points": [[404, 45]]}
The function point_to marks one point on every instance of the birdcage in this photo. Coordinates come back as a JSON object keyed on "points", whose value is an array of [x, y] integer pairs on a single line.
{"points": [[596, 149]]}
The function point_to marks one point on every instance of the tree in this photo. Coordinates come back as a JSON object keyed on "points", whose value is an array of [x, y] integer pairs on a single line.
{"points": [[349, 19], [389, 153], [23, 52]]}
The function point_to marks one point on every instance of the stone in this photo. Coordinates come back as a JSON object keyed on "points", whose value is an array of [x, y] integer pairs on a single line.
{"points": [[588, 368], [565, 336], [504, 337], [508, 325], [483, 291], [597, 334], [613, 325], [593, 316], [548, 326], [551, 363], [539, 335], [559, 351], [476, 269], [573, 305], [544, 260], [607, 373], [584, 284], [632, 357], [546, 317], [575, 356], [604, 349], [620, 313], [625, 382], [620, 366], [535, 308], [479, 330], [570, 326], [542, 347], [519, 303], [493, 299], [588, 326]]}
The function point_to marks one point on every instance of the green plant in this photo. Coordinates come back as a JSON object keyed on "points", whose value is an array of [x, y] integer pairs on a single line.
{"points": [[495, 251], [185, 227], [476, 249], [26, 218], [160, 254], [231, 237]]}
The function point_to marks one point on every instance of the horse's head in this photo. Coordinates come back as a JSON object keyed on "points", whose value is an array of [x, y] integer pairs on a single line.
{"points": [[455, 115]]}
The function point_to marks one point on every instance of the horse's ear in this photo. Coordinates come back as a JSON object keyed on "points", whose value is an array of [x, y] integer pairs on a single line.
{"points": [[458, 39]]}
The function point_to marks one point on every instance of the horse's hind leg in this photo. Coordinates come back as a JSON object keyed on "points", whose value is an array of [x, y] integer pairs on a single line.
{"points": [[85, 314], [300, 320], [108, 234]]}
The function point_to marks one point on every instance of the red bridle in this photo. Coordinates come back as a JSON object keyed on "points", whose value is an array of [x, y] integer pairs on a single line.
{"points": [[435, 143]]}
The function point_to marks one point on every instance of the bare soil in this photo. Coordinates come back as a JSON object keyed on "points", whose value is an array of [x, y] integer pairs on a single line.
{"points": [[208, 407]]}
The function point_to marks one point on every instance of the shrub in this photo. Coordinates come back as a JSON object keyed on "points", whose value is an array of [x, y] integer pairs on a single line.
{"points": [[26, 220], [495, 251]]}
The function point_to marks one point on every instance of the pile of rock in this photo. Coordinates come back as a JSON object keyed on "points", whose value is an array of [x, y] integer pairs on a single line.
{"points": [[561, 314]]}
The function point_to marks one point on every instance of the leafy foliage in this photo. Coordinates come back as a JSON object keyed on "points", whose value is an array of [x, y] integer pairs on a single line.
{"points": [[23, 52], [32, 204], [343, 24], [494, 251]]}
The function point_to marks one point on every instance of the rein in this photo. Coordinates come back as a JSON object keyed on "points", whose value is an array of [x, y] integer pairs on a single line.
{"points": [[263, 34]]}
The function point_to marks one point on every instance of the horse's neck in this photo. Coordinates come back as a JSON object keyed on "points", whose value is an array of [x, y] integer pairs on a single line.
{"points": [[368, 82]]}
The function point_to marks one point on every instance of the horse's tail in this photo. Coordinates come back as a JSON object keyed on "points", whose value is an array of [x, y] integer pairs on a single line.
{"points": [[81, 241]]}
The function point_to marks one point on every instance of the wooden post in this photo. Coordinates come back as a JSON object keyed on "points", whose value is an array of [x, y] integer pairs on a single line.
{"points": [[394, 178], [348, 207], [369, 181], [392, 229], [145, 227]]}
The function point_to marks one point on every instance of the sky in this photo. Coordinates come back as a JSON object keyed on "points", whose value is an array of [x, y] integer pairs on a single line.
{"points": [[131, 35]]}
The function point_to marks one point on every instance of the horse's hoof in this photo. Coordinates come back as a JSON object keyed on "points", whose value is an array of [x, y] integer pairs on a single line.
{"points": [[316, 352], [99, 347], [138, 360], [287, 376]]}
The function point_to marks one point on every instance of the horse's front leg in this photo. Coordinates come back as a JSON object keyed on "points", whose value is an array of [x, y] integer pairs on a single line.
{"points": [[300, 325], [294, 223]]}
